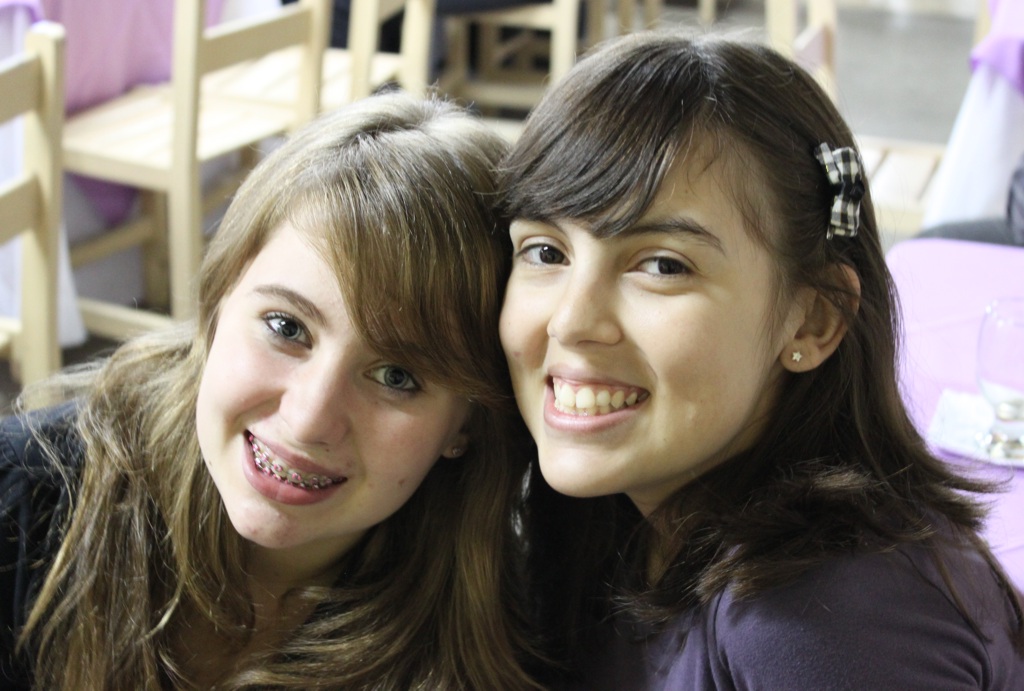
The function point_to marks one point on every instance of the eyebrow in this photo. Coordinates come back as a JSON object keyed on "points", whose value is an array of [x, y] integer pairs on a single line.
{"points": [[303, 303], [679, 225]]}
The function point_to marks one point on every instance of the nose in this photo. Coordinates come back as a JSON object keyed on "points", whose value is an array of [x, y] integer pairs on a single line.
{"points": [[586, 309], [313, 405]]}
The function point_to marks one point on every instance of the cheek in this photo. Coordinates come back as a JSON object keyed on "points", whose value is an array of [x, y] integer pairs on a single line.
{"points": [[710, 363], [236, 376], [510, 329], [735, 377], [407, 480], [218, 373], [400, 467], [523, 335], [411, 442]]}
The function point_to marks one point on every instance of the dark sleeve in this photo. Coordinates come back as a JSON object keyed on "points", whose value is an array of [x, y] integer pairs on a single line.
{"points": [[33, 497], [882, 621]]}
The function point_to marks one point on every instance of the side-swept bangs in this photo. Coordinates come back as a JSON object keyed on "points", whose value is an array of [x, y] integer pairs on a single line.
{"points": [[400, 199], [598, 146], [420, 253], [600, 149]]}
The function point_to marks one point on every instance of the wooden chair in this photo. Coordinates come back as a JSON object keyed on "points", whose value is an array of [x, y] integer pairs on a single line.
{"points": [[900, 172], [157, 137], [348, 74], [30, 204], [505, 74], [805, 31], [626, 16], [707, 11]]}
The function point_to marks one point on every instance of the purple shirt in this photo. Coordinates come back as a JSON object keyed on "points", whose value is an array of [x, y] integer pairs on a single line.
{"points": [[873, 621]]}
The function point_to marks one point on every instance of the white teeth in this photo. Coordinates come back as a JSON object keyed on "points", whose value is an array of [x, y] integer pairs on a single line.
{"points": [[588, 401], [585, 398], [566, 396]]}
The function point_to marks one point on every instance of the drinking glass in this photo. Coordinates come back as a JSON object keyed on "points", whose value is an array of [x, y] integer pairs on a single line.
{"points": [[1001, 376]]}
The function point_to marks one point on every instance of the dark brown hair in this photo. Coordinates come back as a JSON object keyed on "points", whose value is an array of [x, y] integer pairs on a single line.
{"points": [[840, 466]]}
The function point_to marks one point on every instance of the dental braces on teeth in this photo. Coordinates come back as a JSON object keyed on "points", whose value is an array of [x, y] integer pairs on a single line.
{"points": [[288, 475]]}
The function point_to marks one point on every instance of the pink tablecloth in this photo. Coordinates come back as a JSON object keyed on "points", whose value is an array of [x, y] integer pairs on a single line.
{"points": [[112, 45], [944, 287]]}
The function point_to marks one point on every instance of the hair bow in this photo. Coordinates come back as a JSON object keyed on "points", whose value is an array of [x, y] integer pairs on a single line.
{"points": [[843, 168]]}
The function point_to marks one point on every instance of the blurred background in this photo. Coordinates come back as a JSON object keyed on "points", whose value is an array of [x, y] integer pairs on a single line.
{"points": [[902, 69]]}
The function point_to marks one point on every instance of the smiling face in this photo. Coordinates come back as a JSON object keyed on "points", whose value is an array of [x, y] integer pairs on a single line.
{"points": [[310, 437], [643, 359]]}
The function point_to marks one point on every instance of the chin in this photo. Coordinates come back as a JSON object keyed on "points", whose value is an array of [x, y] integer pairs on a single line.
{"points": [[256, 524], [572, 484]]}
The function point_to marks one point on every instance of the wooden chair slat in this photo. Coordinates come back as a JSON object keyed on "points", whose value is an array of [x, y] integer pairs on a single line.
{"points": [[32, 85], [157, 136]]}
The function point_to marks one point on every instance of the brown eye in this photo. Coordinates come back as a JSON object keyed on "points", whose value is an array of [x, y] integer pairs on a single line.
{"points": [[284, 326], [542, 254], [395, 377], [669, 266], [663, 266], [549, 255]]}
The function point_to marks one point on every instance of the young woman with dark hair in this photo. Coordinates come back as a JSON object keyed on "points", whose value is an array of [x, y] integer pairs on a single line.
{"points": [[702, 334]]}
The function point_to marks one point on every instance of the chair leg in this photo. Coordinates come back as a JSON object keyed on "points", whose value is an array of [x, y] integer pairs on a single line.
{"points": [[653, 9], [707, 11], [594, 31], [564, 39], [417, 37], [154, 252], [185, 245], [626, 15], [36, 352], [487, 45], [456, 72]]}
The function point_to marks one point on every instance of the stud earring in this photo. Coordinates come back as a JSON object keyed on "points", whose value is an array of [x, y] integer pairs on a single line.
{"points": [[456, 451], [797, 356]]}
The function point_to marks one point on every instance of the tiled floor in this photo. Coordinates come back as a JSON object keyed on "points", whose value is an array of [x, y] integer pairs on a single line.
{"points": [[900, 74]]}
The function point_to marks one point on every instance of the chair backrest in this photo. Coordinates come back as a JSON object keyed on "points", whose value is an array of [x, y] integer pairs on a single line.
{"points": [[199, 51], [347, 74], [365, 22], [30, 204], [805, 30]]}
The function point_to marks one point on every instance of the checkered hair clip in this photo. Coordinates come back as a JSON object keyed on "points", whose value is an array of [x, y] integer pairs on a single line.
{"points": [[843, 168]]}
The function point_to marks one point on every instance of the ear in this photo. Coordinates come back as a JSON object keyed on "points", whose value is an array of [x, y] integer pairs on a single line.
{"points": [[819, 326], [456, 446]]}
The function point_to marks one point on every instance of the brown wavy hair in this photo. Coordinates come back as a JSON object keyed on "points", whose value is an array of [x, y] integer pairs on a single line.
{"points": [[840, 466], [399, 193]]}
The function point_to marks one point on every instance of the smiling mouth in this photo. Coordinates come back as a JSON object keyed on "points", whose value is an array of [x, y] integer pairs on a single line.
{"points": [[271, 466], [594, 400]]}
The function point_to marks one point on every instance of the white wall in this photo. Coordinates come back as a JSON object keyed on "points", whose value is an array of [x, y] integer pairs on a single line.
{"points": [[959, 8]]}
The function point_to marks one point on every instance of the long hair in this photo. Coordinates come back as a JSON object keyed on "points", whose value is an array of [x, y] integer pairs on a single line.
{"points": [[399, 195], [840, 466]]}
